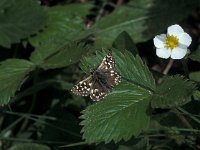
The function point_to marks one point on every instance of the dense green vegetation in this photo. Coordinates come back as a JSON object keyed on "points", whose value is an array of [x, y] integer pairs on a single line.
{"points": [[46, 46]]}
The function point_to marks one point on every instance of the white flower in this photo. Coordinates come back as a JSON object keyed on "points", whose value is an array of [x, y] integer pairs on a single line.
{"points": [[174, 44]]}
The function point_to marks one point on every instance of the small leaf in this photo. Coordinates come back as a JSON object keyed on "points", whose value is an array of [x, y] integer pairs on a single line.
{"points": [[12, 74], [19, 19], [125, 42], [58, 57], [174, 91], [120, 115], [30, 146], [197, 95], [195, 76]]}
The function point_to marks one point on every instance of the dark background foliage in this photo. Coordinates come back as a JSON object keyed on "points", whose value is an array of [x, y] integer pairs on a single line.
{"points": [[46, 46]]}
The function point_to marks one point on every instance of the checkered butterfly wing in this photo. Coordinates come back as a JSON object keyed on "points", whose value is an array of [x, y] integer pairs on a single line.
{"points": [[83, 88], [108, 68], [99, 84]]}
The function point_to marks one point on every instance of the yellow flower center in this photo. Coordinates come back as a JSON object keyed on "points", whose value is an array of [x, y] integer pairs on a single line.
{"points": [[171, 41]]}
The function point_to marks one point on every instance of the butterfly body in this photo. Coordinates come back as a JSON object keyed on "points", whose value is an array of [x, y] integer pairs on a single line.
{"points": [[100, 82]]}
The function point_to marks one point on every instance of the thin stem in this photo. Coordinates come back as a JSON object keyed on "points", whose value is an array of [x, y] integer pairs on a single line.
{"points": [[25, 123], [39, 119], [35, 88], [31, 141], [119, 2], [168, 67], [192, 116], [185, 67], [100, 13], [10, 126], [182, 118], [29, 115], [74, 144], [166, 70]]}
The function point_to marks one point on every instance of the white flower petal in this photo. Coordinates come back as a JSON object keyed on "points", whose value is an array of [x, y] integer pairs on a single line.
{"points": [[163, 52], [159, 41], [175, 30], [185, 39], [178, 53]]}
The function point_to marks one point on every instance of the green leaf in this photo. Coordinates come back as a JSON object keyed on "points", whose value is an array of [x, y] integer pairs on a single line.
{"points": [[195, 55], [195, 76], [125, 42], [121, 115], [174, 91], [31, 146], [64, 24], [197, 95], [19, 19], [55, 45], [125, 106], [57, 57], [12, 75], [141, 19]]}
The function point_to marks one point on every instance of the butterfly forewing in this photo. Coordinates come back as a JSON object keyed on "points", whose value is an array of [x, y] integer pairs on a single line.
{"points": [[107, 63], [108, 68], [83, 88]]}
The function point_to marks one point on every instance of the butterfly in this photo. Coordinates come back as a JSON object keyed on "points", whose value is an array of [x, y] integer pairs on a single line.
{"points": [[100, 82]]}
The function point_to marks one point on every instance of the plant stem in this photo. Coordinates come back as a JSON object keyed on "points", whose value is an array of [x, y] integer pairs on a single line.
{"points": [[182, 118], [166, 70], [185, 67], [119, 2]]}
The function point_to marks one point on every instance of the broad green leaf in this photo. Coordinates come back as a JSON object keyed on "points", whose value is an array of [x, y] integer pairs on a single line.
{"points": [[30, 146], [195, 55], [20, 19], [57, 57], [125, 42], [174, 91], [64, 24], [55, 45], [125, 106], [12, 75], [121, 115], [141, 19], [195, 76]]}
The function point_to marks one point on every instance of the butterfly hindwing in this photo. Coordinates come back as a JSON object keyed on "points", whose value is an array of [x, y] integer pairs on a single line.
{"points": [[113, 77], [98, 91], [83, 88]]}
